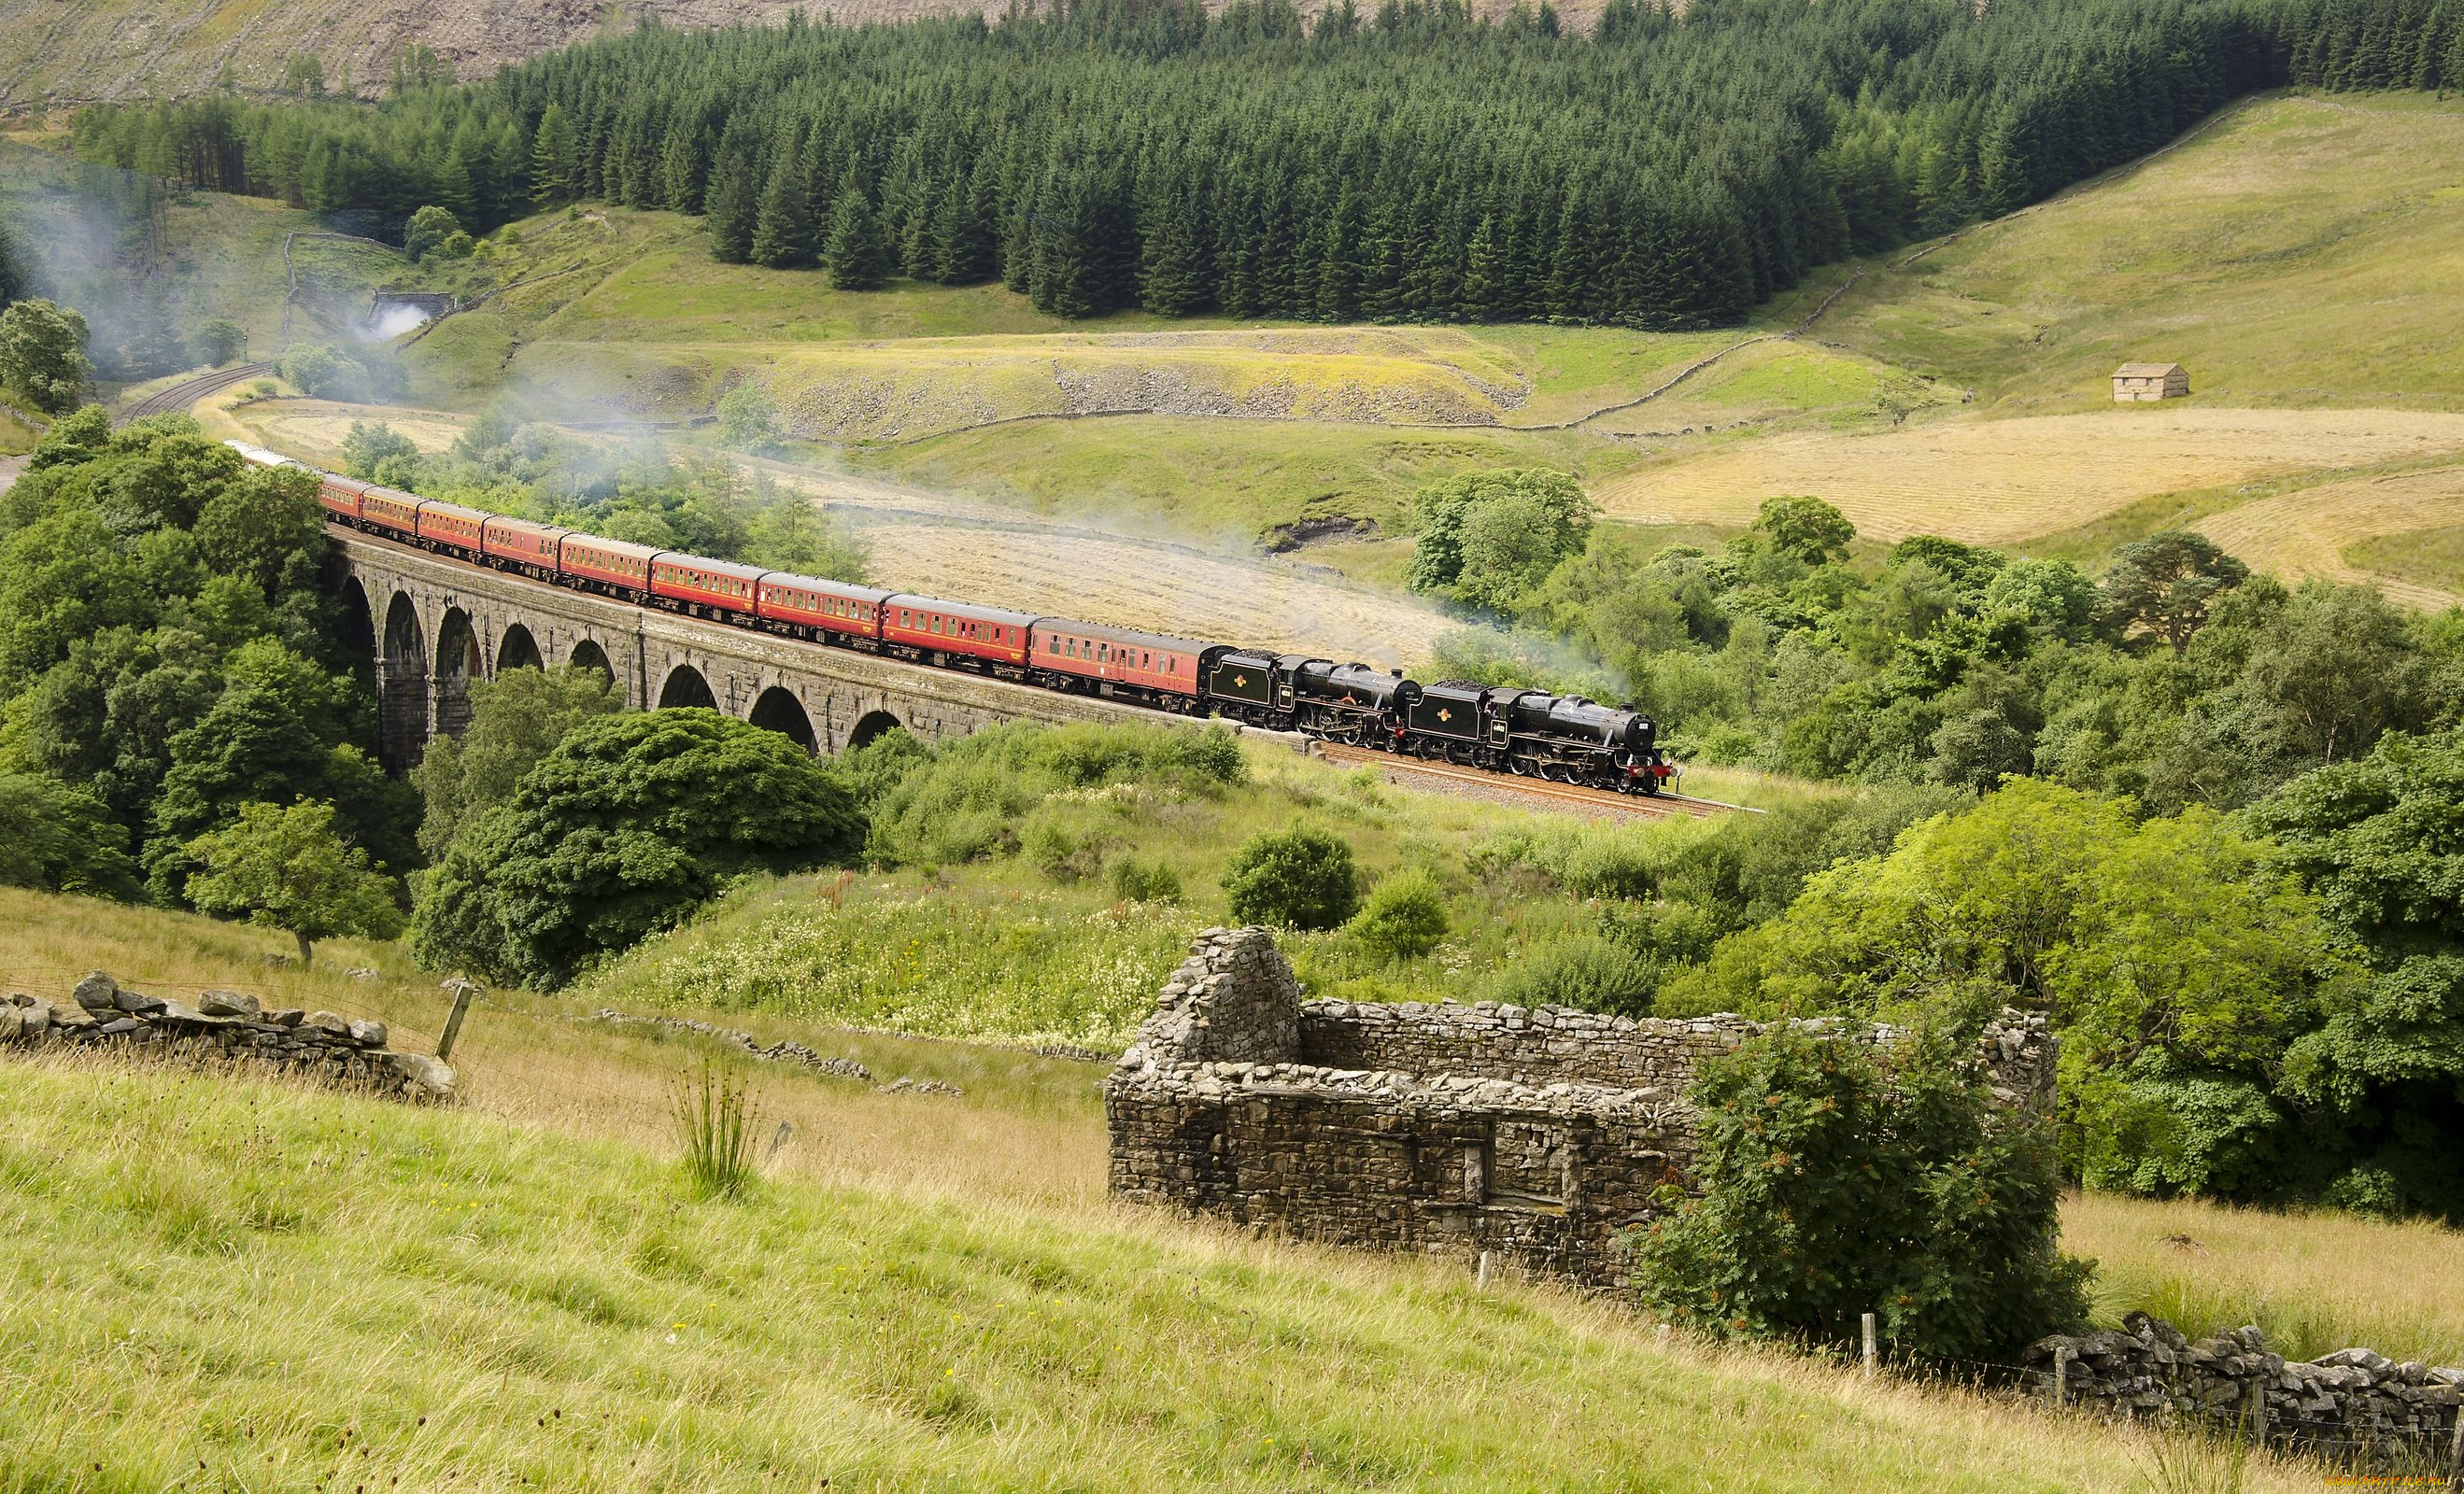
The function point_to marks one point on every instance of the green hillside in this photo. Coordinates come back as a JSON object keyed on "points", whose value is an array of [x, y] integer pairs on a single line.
{"points": [[228, 1284], [145, 267], [2301, 252]]}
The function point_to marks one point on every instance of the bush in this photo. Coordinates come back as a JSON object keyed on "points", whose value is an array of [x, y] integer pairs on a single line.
{"points": [[428, 228], [971, 799], [1594, 974], [1605, 861], [1299, 878], [1060, 850], [1134, 880], [1404, 917], [322, 371], [622, 830], [748, 419], [1840, 1181]]}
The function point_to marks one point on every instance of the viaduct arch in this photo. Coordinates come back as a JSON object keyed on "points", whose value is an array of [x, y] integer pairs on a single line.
{"points": [[440, 624]]}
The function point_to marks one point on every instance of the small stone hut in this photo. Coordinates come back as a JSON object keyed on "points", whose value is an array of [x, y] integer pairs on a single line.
{"points": [[2134, 382], [1540, 1134]]}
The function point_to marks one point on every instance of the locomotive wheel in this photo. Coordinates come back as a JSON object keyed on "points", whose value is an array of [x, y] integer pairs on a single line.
{"points": [[1520, 767]]}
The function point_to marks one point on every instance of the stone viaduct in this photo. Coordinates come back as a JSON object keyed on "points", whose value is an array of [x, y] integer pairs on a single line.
{"points": [[434, 625]]}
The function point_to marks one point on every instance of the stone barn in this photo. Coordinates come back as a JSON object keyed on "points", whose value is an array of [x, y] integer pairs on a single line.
{"points": [[2134, 382], [1540, 1134]]}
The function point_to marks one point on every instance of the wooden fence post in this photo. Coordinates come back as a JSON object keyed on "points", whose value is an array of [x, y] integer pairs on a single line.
{"points": [[1872, 1355], [463, 990]]}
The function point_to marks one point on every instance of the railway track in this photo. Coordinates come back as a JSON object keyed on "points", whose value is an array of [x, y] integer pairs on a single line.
{"points": [[1658, 807], [189, 392]]}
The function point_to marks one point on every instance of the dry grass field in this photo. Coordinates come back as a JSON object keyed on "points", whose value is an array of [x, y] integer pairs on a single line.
{"points": [[924, 1290], [843, 392], [2006, 481], [2361, 529]]}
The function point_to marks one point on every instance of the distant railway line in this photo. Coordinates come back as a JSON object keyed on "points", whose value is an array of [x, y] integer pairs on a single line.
{"points": [[189, 392]]}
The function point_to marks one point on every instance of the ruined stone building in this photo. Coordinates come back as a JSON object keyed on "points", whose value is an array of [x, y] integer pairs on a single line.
{"points": [[1538, 1134]]}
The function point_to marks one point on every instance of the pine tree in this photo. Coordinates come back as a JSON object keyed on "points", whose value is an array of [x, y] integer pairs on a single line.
{"points": [[1171, 277], [1338, 274], [858, 255], [454, 192], [13, 284], [733, 200], [552, 158], [684, 168], [2001, 172], [1483, 284], [1572, 264], [783, 229], [965, 248]]}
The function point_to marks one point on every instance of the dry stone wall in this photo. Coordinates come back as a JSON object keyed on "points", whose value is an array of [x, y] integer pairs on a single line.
{"points": [[2353, 1407], [1538, 1134], [224, 1025]]}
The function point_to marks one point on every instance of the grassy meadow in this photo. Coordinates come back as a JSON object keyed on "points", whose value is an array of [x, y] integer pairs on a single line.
{"points": [[922, 1291], [1031, 945]]}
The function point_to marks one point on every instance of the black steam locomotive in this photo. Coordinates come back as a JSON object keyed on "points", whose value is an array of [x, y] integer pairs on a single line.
{"points": [[1502, 728]]}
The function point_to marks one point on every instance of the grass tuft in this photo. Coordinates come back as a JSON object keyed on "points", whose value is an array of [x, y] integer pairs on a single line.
{"points": [[715, 1122]]}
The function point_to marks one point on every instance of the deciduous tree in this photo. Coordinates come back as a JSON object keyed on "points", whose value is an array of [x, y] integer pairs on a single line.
{"points": [[291, 869]]}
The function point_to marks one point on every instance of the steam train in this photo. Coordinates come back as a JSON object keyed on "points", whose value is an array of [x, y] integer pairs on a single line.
{"points": [[1529, 732]]}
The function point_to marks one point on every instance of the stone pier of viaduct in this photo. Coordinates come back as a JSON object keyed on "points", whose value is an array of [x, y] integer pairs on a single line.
{"points": [[434, 625]]}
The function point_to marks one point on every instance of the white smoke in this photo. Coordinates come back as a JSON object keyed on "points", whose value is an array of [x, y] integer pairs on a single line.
{"points": [[392, 323]]}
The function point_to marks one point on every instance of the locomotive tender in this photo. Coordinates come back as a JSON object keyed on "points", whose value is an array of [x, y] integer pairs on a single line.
{"points": [[1504, 729]]}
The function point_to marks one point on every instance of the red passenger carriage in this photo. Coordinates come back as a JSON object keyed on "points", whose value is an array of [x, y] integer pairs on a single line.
{"points": [[529, 546], [995, 635], [807, 603], [340, 495], [1117, 660], [696, 585], [615, 566], [389, 508], [450, 526]]}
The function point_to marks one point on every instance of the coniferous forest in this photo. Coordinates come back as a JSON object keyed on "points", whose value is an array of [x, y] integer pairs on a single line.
{"points": [[1666, 171]]}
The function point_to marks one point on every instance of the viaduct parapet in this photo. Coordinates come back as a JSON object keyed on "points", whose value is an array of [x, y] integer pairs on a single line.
{"points": [[434, 625]]}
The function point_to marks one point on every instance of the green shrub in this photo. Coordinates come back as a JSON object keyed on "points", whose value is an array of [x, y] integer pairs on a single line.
{"points": [[1839, 1182], [1594, 974], [1135, 880], [1299, 878], [1058, 850], [622, 830], [1586, 860], [969, 799], [1404, 917]]}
